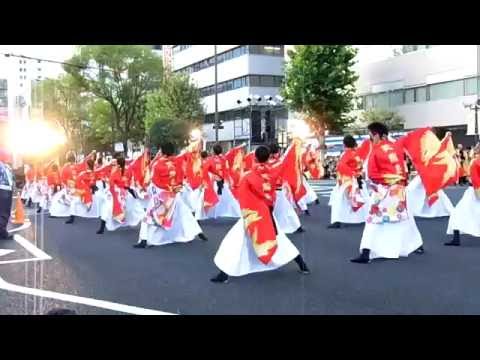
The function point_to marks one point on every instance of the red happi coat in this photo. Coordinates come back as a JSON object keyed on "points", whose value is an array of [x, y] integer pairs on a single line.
{"points": [[167, 175], [249, 161], [311, 163], [140, 171], [53, 178], [216, 165], [193, 169], [349, 167], [256, 198], [210, 196], [235, 167], [83, 184], [68, 175], [102, 173], [433, 159], [292, 170], [475, 175], [386, 164], [119, 183]]}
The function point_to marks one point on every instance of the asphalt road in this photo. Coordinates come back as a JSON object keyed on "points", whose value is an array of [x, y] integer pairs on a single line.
{"points": [[175, 278]]}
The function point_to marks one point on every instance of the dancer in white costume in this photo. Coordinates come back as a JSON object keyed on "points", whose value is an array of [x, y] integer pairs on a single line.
{"points": [[284, 213], [254, 243], [390, 230], [31, 192], [168, 219], [61, 200], [121, 207], [53, 186], [349, 198], [227, 205], [465, 217], [85, 201], [309, 198], [418, 205]]}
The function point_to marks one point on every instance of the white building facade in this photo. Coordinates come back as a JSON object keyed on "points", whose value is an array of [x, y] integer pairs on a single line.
{"points": [[427, 84], [243, 72]]}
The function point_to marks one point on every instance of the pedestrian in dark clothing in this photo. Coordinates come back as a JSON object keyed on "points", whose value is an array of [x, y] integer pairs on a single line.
{"points": [[6, 193]]}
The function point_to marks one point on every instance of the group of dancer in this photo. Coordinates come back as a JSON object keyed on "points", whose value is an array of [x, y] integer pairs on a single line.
{"points": [[372, 188], [169, 194]]}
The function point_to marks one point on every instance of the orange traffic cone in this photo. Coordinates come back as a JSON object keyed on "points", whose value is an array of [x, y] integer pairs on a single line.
{"points": [[19, 214]]}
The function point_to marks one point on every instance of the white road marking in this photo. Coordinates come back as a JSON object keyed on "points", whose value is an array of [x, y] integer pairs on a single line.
{"points": [[26, 225], [38, 254], [80, 300], [5, 252]]}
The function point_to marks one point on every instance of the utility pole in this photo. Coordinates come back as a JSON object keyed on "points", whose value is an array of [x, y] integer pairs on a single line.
{"points": [[477, 103], [217, 124]]}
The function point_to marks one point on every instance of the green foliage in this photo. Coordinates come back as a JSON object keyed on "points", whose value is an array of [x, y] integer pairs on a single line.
{"points": [[122, 76], [320, 83], [174, 110], [175, 131], [64, 104], [392, 119]]}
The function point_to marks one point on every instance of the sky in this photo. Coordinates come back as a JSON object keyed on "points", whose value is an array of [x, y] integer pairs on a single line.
{"points": [[48, 52]]}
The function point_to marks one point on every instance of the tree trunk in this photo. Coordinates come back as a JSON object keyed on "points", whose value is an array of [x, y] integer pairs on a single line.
{"points": [[321, 141]]}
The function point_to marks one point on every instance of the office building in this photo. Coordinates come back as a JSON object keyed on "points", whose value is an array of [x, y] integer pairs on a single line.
{"points": [[429, 85], [248, 81]]}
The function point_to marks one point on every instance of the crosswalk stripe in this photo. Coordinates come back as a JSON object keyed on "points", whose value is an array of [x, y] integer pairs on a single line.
{"points": [[322, 188]]}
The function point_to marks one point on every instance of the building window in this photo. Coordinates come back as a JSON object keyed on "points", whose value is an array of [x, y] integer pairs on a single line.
{"points": [[396, 98], [381, 101], [446, 90], [421, 94], [409, 96], [272, 50], [225, 56], [471, 86], [267, 81], [250, 80], [178, 48]]}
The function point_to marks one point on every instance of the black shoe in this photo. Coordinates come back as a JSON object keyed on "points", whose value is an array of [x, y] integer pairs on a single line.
{"points": [[452, 243], [303, 268], [317, 202], [141, 245], [70, 220], [39, 210], [335, 225], [363, 258], [220, 278], [306, 212], [202, 236], [102, 227], [456, 239], [420, 250], [300, 230]]}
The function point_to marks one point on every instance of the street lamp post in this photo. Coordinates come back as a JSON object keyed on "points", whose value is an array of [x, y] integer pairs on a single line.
{"points": [[478, 93], [217, 125]]}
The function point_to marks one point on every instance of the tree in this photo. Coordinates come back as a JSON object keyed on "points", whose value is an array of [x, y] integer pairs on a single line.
{"points": [[173, 110], [121, 75], [64, 104], [392, 119], [102, 124], [175, 131], [320, 84]]}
